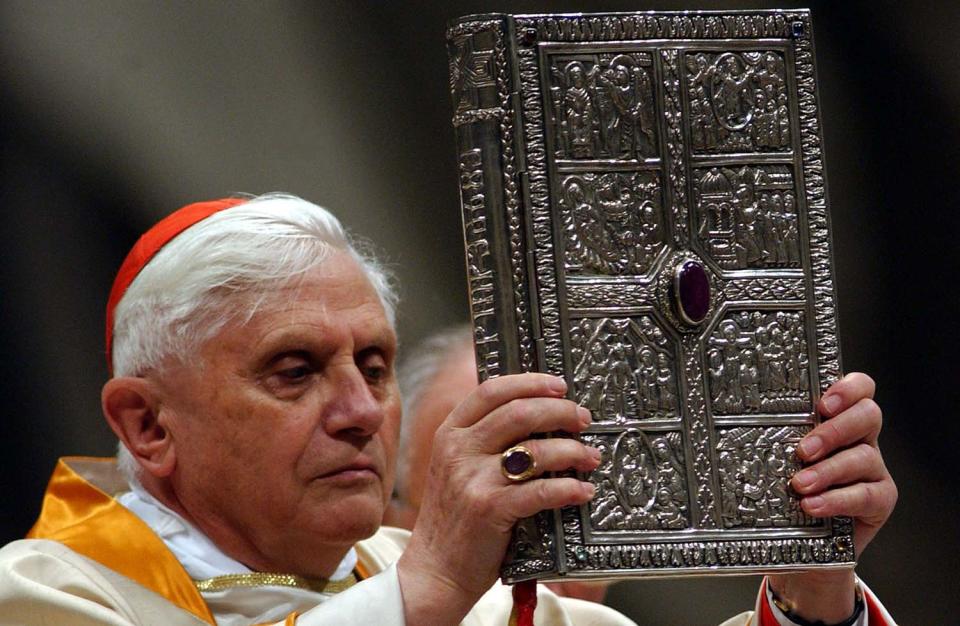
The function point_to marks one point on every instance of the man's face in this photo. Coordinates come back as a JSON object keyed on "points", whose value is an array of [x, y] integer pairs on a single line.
{"points": [[285, 426]]}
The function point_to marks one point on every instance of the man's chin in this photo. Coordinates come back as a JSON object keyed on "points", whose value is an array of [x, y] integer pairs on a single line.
{"points": [[355, 517]]}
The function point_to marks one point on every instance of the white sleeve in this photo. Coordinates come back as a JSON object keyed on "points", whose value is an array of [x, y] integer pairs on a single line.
{"points": [[376, 600]]}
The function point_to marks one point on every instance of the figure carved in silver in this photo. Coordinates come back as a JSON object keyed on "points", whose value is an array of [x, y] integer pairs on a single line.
{"points": [[603, 106], [624, 369], [756, 465], [747, 217], [640, 482], [613, 222], [757, 363], [738, 102], [580, 119]]}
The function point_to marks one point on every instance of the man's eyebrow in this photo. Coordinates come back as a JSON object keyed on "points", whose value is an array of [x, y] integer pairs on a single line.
{"points": [[382, 342], [282, 354], [288, 341]]}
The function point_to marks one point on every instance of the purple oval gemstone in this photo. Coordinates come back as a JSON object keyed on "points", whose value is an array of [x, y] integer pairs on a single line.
{"points": [[517, 462], [692, 290]]}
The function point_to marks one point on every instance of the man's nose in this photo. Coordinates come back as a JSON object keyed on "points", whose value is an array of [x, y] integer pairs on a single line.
{"points": [[353, 406]]}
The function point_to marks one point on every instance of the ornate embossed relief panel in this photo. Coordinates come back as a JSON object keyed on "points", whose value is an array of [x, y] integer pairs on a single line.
{"points": [[757, 362], [624, 369], [641, 482], [603, 106], [473, 70], [613, 222], [646, 162], [755, 464], [738, 101], [747, 216]]}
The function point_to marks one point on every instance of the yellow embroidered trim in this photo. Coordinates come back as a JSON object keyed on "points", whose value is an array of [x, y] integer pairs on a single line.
{"points": [[260, 579]]}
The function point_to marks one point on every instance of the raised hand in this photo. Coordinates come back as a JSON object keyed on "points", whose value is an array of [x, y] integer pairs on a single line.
{"points": [[846, 476], [470, 507]]}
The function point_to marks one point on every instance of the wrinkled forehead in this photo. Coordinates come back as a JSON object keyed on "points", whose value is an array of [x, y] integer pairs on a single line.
{"points": [[337, 292], [320, 313]]}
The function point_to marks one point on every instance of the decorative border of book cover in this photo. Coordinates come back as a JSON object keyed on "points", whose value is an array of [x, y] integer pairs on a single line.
{"points": [[645, 214]]}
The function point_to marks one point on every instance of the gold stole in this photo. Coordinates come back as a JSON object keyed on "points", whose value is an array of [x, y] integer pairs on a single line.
{"points": [[92, 523]]}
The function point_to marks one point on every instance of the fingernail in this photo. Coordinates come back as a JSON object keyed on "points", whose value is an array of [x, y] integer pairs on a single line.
{"points": [[588, 489], [810, 446], [557, 384], [805, 478], [585, 416], [814, 504], [595, 453], [831, 403]]}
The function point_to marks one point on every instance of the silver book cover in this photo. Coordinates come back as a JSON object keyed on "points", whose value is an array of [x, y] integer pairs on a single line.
{"points": [[645, 214]]}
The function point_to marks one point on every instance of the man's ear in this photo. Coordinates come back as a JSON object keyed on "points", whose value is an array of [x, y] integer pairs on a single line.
{"points": [[132, 409]]}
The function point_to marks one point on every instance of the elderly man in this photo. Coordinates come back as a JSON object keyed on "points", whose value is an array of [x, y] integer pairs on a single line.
{"points": [[440, 372], [253, 392]]}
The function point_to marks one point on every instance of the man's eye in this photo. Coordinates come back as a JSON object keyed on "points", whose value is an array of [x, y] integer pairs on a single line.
{"points": [[373, 366], [374, 373], [295, 374]]}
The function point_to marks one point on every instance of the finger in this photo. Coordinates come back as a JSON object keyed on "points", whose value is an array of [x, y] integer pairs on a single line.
{"points": [[529, 498], [861, 422], [560, 453], [518, 419], [862, 463], [871, 502], [845, 393], [501, 390]]}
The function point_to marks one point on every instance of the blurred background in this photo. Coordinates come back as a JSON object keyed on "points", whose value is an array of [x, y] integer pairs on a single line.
{"points": [[112, 114]]}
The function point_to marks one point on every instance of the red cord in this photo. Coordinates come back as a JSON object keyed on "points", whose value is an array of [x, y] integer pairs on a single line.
{"points": [[524, 603]]}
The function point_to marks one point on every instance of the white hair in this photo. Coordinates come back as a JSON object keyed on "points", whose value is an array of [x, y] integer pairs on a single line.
{"points": [[222, 269], [417, 370]]}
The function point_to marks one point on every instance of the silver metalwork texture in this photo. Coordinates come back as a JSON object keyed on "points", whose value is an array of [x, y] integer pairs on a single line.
{"points": [[599, 155]]}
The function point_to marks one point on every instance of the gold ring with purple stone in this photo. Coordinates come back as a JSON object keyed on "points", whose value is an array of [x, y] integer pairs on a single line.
{"points": [[518, 464]]}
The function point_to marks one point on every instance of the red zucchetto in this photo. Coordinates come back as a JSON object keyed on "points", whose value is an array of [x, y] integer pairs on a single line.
{"points": [[147, 247]]}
